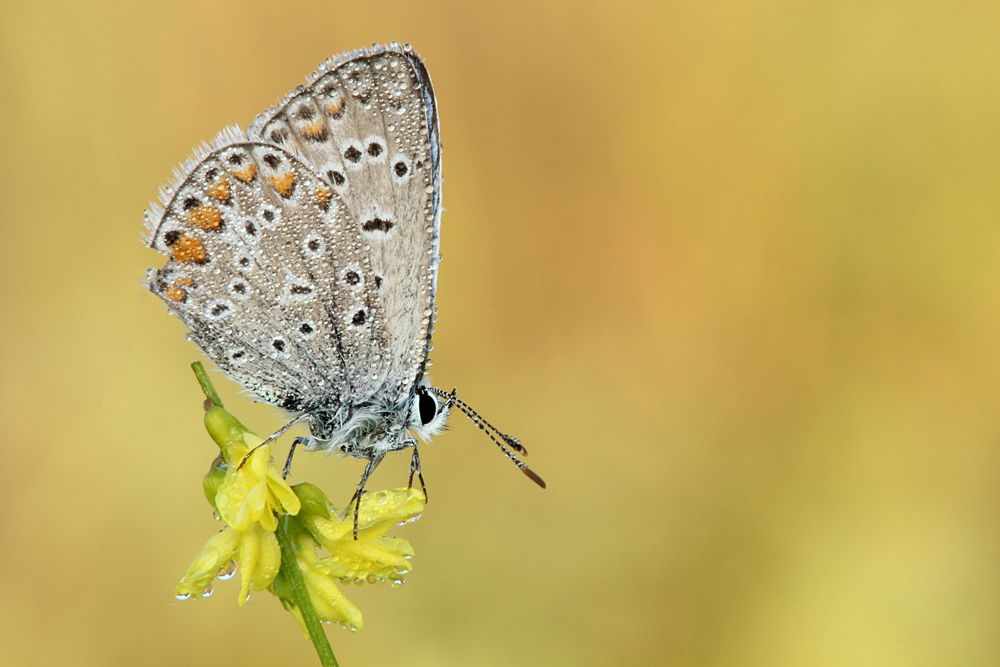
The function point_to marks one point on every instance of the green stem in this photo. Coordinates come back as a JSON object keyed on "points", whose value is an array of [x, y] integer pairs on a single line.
{"points": [[300, 596], [206, 384]]}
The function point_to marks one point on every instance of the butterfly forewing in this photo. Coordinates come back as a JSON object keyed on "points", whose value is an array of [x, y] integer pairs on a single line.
{"points": [[367, 126]]}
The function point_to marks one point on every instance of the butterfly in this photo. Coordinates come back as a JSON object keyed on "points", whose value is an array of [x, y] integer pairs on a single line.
{"points": [[302, 254]]}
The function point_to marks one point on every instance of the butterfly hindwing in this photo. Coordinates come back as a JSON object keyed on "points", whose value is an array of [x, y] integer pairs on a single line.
{"points": [[269, 271]]}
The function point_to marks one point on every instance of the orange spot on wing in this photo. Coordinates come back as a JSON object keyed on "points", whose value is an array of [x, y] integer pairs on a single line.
{"points": [[189, 249], [314, 130], [206, 217], [247, 174], [322, 196], [184, 280], [284, 184], [175, 294], [221, 190], [334, 107]]}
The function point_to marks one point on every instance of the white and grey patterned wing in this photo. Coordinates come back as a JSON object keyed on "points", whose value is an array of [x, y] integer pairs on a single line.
{"points": [[269, 271], [367, 124]]}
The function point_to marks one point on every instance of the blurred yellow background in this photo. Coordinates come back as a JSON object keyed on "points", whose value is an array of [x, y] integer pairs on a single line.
{"points": [[728, 269]]}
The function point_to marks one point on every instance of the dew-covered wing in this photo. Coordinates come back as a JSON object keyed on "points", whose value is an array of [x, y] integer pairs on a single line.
{"points": [[367, 125]]}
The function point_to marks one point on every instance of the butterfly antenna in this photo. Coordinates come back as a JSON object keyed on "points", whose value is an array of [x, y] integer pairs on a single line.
{"points": [[489, 429], [481, 422]]}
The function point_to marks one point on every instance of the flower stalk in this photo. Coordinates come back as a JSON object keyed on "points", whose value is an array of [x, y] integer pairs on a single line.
{"points": [[295, 587]]}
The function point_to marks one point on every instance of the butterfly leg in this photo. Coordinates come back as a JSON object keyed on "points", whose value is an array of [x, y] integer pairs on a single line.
{"points": [[291, 451], [274, 436], [356, 498], [415, 470]]}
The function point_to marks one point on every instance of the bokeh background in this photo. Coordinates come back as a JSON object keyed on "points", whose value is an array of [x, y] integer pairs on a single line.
{"points": [[728, 269]]}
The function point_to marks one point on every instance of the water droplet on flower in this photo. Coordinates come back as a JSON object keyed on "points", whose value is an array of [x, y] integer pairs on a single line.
{"points": [[397, 582], [207, 593], [415, 517], [227, 573], [183, 596]]}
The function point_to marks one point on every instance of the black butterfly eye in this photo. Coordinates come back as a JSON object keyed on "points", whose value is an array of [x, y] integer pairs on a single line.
{"points": [[428, 407]]}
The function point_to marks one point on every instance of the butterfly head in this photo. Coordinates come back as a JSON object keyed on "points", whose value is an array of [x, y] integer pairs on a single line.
{"points": [[428, 412]]}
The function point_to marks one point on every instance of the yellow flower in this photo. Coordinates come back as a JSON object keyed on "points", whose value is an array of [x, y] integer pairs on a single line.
{"points": [[287, 539], [255, 551], [330, 604], [210, 561], [372, 557], [254, 492], [326, 550], [249, 494], [253, 489]]}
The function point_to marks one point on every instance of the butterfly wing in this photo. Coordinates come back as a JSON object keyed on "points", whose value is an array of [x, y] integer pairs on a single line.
{"points": [[367, 125], [268, 269]]}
